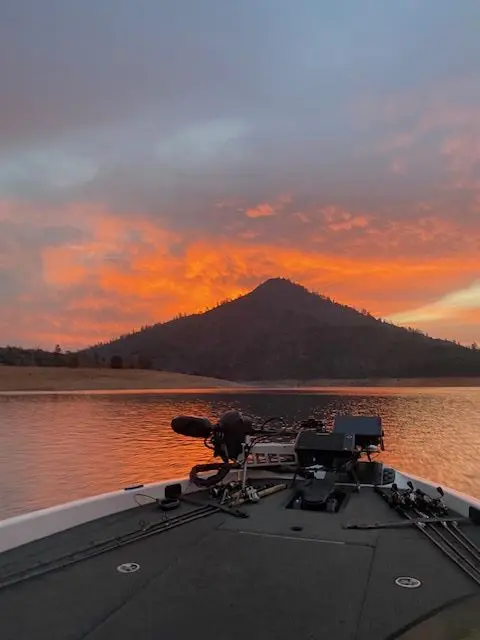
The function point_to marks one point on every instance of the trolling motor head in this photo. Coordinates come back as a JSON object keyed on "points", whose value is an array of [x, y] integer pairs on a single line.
{"points": [[226, 439], [192, 427], [230, 433]]}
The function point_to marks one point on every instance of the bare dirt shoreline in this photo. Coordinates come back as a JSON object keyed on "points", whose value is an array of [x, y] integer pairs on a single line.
{"points": [[65, 379], [18, 379]]}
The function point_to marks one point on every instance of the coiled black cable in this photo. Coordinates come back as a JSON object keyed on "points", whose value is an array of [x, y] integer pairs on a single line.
{"points": [[222, 468]]}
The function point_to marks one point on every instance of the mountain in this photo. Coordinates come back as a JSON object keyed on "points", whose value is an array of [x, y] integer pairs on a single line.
{"points": [[282, 331]]}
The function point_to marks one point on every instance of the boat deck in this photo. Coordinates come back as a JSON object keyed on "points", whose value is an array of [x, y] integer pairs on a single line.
{"points": [[279, 574]]}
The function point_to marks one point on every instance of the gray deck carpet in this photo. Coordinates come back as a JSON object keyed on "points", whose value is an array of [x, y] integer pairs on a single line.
{"points": [[235, 578], [235, 586]]}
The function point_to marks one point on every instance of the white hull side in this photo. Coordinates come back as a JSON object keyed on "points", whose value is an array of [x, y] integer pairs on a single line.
{"points": [[42, 523]]}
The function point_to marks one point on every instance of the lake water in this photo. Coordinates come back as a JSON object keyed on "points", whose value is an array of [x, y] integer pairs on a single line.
{"points": [[59, 447]]}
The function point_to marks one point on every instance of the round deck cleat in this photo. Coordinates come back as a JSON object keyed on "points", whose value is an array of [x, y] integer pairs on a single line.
{"points": [[407, 582]]}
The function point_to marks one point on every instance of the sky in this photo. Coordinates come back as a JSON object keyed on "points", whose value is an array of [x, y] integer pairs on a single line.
{"points": [[159, 156]]}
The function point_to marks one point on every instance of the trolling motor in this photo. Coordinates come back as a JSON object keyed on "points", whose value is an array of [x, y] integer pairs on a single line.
{"points": [[226, 439]]}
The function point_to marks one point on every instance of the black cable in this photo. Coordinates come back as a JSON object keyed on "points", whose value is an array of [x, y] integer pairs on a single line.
{"points": [[145, 495], [272, 419], [222, 469]]}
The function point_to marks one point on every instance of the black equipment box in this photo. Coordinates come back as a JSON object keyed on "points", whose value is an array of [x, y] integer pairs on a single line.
{"points": [[313, 447], [367, 430]]}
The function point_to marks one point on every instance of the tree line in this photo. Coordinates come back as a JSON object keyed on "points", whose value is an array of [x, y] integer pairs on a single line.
{"points": [[19, 357]]}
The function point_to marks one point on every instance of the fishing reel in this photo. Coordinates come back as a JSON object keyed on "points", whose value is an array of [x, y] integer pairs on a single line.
{"points": [[412, 498], [432, 506], [234, 492], [404, 498]]}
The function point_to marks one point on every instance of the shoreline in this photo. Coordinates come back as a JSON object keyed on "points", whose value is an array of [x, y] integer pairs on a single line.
{"points": [[62, 379], [406, 383]]}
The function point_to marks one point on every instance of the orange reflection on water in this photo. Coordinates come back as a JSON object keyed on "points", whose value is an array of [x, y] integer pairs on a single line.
{"points": [[57, 448]]}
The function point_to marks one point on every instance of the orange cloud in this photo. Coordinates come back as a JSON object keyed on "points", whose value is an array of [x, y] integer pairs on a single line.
{"points": [[129, 271], [266, 209], [157, 285], [339, 220], [64, 266], [260, 211], [303, 217]]}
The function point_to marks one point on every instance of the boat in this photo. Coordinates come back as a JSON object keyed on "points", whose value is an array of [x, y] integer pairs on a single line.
{"points": [[293, 533]]}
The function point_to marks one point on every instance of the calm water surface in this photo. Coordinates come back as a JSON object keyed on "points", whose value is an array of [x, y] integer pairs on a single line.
{"points": [[59, 447]]}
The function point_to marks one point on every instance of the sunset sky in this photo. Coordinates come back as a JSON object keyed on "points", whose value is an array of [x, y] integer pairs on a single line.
{"points": [[158, 156]]}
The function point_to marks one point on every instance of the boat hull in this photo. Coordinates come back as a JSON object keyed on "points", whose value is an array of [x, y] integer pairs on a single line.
{"points": [[25, 528]]}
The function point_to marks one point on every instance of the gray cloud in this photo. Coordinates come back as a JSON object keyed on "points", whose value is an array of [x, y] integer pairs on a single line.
{"points": [[152, 105], [88, 64], [20, 234]]}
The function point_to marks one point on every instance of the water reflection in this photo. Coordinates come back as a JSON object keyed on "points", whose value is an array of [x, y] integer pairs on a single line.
{"points": [[55, 448]]}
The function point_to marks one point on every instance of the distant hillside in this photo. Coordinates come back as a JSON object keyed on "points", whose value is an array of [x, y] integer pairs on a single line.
{"points": [[282, 331]]}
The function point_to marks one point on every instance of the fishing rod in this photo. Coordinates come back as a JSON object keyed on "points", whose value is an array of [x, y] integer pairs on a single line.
{"points": [[455, 557], [395, 524], [438, 505], [105, 545], [425, 503], [405, 500], [465, 538], [450, 523]]}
